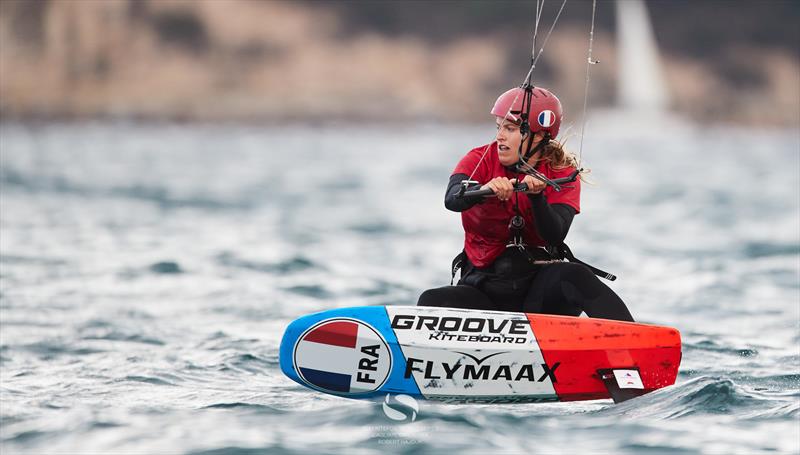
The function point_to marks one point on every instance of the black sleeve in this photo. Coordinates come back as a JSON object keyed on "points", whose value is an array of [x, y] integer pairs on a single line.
{"points": [[552, 221], [456, 204]]}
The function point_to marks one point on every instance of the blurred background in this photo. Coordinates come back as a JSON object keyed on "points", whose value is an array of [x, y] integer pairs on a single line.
{"points": [[179, 180], [730, 61]]}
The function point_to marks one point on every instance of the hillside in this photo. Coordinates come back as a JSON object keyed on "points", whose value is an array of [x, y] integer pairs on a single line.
{"points": [[379, 61]]}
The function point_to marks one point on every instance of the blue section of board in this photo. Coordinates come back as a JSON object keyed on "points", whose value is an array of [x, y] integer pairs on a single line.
{"points": [[327, 380], [374, 316]]}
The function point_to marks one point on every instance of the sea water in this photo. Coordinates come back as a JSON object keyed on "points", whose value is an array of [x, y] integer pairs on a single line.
{"points": [[147, 273]]}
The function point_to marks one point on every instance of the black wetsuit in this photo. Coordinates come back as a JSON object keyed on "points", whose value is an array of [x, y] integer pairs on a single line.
{"points": [[514, 283]]}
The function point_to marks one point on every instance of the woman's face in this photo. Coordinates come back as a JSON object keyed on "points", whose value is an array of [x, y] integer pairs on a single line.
{"points": [[508, 142]]}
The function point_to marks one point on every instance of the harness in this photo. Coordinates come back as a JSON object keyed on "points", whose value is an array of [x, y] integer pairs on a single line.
{"points": [[555, 254], [537, 256]]}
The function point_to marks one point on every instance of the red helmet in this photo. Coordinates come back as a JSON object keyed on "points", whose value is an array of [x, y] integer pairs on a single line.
{"points": [[545, 114]]}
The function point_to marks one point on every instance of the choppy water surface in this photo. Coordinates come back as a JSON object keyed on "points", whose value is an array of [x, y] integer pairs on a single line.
{"points": [[148, 272]]}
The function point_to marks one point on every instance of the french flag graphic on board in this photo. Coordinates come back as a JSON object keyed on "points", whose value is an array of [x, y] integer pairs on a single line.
{"points": [[547, 118], [343, 356]]}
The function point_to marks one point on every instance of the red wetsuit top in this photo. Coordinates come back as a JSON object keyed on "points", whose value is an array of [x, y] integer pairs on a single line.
{"points": [[486, 232]]}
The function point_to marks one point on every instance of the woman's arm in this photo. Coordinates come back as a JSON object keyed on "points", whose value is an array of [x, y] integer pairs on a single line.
{"points": [[457, 204], [552, 221]]}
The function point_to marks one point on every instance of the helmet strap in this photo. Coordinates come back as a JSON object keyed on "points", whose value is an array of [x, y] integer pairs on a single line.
{"points": [[525, 126], [530, 150]]}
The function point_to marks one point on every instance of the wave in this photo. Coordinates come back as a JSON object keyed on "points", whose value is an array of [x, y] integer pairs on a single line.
{"points": [[375, 228], [50, 349], [246, 406], [166, 268], [703, 395], [249, 363], [657, 449], [148, 380], [98, 329], [380, 287], [313, 290], [26, 436], [13, 259], [788, 381], [781, 411], [712, 346], [115, 335], [285, 267], [765, 249], [236, 450], [159, 195]]}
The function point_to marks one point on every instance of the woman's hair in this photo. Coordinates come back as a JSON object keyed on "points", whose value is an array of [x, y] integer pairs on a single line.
{"points": [[557, 157]]}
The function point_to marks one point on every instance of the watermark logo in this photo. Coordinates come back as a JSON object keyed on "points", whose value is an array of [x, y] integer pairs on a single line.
{"points": [[400, 408]]}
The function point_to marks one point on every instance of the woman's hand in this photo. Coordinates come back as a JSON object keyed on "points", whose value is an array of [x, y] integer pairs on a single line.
{"points": [[502, 187], [535, 186]]}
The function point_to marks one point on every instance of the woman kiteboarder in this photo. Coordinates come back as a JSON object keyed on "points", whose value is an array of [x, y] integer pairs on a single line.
{"points": [[516, 223]]}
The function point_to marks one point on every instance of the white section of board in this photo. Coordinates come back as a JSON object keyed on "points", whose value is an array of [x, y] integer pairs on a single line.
{"points": [[452, 328], [464, 353], [478, 372]]}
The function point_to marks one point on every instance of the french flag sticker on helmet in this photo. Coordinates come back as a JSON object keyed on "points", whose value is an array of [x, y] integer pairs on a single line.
{"points": [[547, 118], [343, 356]]}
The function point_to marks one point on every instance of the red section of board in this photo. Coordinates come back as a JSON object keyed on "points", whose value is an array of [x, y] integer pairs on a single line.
{"points": [[337, 333], [581, 346]]}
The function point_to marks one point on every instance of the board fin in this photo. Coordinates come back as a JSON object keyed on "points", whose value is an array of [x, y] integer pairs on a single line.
{"points": [[622, 383]]}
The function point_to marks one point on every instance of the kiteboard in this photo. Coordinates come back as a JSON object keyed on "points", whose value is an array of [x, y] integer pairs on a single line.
{"points": [[457, 355]]}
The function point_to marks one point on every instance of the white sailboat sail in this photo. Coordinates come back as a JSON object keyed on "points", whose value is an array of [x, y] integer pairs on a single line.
{"points": [[641, 84]]}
